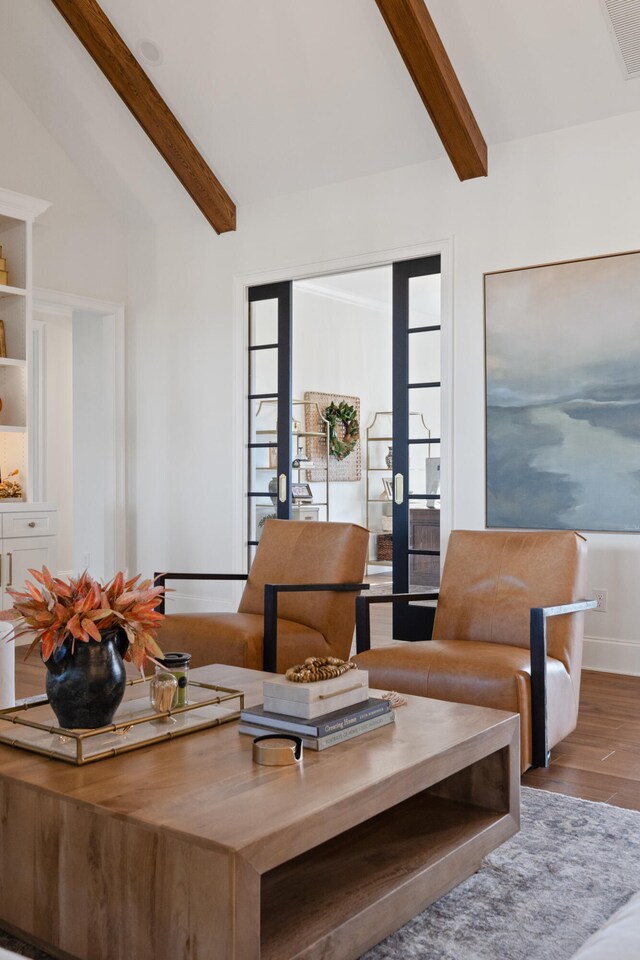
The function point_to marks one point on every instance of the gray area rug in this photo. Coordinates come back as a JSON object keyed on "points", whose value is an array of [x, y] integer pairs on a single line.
{"points": [[538, 897]]}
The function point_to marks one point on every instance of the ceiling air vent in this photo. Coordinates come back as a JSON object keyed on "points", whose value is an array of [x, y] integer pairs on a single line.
{"points": [[623, 20]]}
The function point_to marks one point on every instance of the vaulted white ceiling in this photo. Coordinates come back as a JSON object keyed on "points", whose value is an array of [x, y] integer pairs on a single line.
{"points": [[285, 95]]}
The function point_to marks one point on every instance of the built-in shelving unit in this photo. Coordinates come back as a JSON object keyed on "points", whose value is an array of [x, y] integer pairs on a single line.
{"points": [[379, 476], [28, 528], [379, 505], [17, 215]]}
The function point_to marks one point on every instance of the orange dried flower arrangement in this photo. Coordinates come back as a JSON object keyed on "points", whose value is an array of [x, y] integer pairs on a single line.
{"points": [[62, 613]]}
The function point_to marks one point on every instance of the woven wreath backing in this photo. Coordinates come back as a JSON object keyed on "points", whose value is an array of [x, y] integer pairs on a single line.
{"points": [[348, 469]]}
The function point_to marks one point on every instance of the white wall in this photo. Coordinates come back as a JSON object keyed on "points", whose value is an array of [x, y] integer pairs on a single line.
{"points": [[91, 427], [182, 422], [79, 246], [558, 196]]}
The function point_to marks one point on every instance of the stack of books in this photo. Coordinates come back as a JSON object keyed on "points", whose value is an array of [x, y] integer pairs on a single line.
{"points": [[322, 713]]}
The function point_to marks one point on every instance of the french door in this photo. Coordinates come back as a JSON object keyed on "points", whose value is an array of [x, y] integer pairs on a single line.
{"points": [[416, 440], [415, 402]]}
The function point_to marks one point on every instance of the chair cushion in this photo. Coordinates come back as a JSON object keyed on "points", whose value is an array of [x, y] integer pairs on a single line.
{"points": [[476, 672], [236, 639]]}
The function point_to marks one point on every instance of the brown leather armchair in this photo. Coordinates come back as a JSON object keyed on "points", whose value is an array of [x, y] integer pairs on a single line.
{"points": [[298, 600], [489, 644]]}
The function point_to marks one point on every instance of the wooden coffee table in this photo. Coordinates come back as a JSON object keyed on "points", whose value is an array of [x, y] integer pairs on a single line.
{"points": [[188, 849]]}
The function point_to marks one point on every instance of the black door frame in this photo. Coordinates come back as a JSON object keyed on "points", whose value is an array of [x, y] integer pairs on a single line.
{"points": [[282, 292], [410, 621]]}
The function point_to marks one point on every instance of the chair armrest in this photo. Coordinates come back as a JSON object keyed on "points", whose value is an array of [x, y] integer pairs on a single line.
{"points": [[271, 591], [538, 648], [160, 578], [363, 614]]}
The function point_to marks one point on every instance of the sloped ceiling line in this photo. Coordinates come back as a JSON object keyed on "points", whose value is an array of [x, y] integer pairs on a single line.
{"points": [[101, 40]]}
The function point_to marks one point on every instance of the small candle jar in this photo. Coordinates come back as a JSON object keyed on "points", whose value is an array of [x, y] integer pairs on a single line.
{"points": [[178, 665]]}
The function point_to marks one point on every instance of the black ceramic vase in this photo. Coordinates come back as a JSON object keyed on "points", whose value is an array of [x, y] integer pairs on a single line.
{"points": [[85, 687]]}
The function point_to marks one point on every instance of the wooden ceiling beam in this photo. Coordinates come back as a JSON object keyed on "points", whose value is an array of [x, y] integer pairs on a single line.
{"points": [[100, 38], [426, 59]]}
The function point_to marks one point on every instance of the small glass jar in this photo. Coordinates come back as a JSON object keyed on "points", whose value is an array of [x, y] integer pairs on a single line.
{"points": [[162, 690], [178, 665]]}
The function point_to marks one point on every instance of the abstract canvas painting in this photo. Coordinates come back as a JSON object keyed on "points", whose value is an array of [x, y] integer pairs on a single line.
{"points": [[563, 395]]}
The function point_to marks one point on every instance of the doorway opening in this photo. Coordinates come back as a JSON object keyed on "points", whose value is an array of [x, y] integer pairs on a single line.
{"points": [[357, 346], [78, 446]]}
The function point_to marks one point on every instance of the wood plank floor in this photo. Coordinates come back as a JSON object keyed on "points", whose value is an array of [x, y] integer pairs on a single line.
{"points": [[600, 760]]}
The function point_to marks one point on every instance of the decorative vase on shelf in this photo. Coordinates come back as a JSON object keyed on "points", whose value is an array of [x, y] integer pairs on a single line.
{"points": [[389, 459], [85, 687]]}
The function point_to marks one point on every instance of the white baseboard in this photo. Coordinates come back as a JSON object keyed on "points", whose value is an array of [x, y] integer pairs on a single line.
{"points": [[611, 656]]}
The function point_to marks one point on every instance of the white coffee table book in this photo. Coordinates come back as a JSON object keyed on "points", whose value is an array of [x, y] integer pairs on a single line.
{"points": [[310, 700]]}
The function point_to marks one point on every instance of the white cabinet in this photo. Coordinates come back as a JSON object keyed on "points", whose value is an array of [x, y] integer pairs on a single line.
{"points": [[28, 541]]}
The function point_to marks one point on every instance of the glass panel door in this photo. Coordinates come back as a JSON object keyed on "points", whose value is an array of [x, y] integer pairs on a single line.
{"points": [[269, 409], [416, 440], [399, 497]]}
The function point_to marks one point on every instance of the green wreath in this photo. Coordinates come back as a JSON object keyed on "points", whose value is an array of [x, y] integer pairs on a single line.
{"points": [[342, 413]]}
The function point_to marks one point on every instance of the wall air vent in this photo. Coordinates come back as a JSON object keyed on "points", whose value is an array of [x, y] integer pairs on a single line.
{"points": [[623, 21]]}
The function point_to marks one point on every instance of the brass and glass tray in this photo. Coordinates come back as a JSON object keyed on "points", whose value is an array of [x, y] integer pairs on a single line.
{"points": [[32, 725]]}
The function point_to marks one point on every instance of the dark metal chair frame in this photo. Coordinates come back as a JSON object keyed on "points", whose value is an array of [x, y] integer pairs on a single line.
{"points": [[271, 591], [537, 646]]}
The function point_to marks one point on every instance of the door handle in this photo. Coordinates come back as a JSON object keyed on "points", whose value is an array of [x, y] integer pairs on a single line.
{"points": [[398, 488], [282, 488], [9, 583]]}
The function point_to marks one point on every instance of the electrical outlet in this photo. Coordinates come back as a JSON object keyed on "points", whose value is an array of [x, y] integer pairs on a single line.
{"points": [[86, 561], [601, 596]]}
